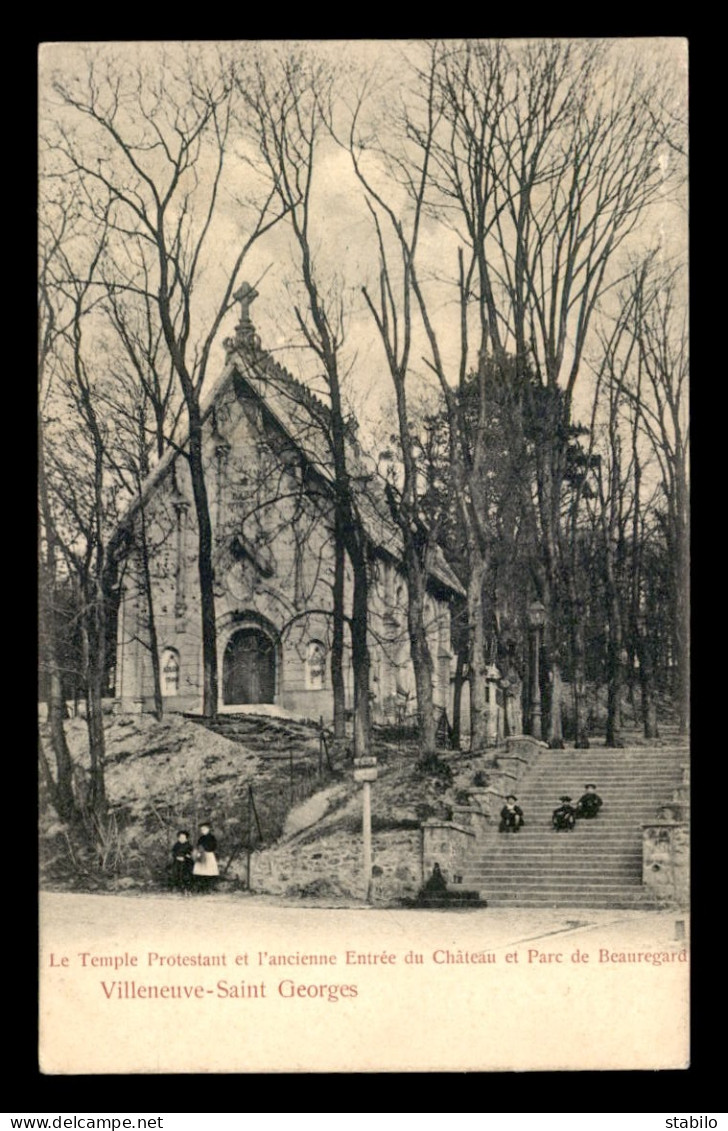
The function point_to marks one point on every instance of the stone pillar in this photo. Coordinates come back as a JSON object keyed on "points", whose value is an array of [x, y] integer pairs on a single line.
{"points": [[222, 451], [494, 727], [446, 844], [444, 659]]}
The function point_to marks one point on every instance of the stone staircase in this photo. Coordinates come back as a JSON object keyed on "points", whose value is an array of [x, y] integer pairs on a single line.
{"points": [[269, 737], [599, 864]]}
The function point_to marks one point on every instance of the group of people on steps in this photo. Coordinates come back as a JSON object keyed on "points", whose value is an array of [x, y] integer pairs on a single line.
{"points": [[563, 818]]}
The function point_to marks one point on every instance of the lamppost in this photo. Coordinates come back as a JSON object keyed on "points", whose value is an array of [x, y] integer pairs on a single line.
{"points": [[536, 621]]}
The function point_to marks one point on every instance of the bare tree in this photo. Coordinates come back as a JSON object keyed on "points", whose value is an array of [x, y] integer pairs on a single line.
{"points": [[289, 104], [75, 473], [53, 230], [413, 158], [392, 311], [546, 156], [613, 475], [656, 325], [141, 422], [150, 152]]}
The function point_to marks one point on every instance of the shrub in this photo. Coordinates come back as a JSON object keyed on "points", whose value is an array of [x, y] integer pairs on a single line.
{"points": [[432, 766]]}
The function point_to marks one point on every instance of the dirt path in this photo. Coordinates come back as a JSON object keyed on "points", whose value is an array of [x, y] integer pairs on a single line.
{"points": [[66, 918], [311, 810]]}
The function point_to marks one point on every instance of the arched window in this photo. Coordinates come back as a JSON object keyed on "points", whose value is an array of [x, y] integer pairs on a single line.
{"points": [[170, 672], [316, 666]]}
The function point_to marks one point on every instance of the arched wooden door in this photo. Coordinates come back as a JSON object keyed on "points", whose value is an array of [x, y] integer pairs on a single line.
{"points": [[249, 668]]}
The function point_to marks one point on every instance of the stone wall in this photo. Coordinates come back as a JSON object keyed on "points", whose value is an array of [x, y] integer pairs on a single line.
{"points": [[507, 769], [334, 866], [523, 746]]}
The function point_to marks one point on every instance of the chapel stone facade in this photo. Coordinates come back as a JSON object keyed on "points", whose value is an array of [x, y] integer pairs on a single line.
{"points": [[269, 486]]}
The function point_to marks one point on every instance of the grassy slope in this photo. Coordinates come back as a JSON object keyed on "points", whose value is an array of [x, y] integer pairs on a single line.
{"points": [[161, 777]]}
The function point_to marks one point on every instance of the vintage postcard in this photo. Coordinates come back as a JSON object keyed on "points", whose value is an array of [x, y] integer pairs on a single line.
{"points": [[364, 552]]}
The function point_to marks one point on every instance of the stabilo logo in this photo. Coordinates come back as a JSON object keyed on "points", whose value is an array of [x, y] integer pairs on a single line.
{"points": [[691, 1121]]}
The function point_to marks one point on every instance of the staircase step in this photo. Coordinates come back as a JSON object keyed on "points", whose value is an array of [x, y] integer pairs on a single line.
{"points": [[581, 904], [599, 864], [558, 867]]}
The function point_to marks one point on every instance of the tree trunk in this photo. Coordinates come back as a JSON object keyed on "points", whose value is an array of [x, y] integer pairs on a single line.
{"points": [[550, 662], [457, 700], [64, 800], [94, 656], [421, 656], [350, 528], [647, 688], [360, 659], [205, 568], [614, 693], [615, 673], [151, 620], [581, 727], [549, 480], [62, 794], [476, 658], [649, 712], [682, 607], [63, 797]]}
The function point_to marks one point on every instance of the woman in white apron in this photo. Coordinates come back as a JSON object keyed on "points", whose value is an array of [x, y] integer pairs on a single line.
{"points": [[206, 870]]}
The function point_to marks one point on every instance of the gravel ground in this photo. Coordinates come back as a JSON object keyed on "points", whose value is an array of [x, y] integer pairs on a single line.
{"points": [[66, 916]]}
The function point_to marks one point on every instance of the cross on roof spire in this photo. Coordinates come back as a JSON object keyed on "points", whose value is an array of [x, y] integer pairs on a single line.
{"points": [[245, 330]]}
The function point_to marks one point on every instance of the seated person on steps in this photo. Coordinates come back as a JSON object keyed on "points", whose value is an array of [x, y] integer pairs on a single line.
{"points": [[436, 884], [511, 815], [589, 803], [564, 817]]}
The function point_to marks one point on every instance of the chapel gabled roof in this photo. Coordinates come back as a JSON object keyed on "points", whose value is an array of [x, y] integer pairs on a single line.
{"points": [[304, 418]]}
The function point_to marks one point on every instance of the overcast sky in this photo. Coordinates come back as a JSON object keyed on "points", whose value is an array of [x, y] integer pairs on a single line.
{"points": [[343, 235]]}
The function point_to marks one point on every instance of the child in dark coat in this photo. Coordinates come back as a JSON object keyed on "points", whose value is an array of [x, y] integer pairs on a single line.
{"points": [[564, 818], [511, 815], [589, 803], [182, 863]]}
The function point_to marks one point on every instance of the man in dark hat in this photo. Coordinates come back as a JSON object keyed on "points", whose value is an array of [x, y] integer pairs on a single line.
{"points": [[589, 803], [511, 815], [564, 818]]}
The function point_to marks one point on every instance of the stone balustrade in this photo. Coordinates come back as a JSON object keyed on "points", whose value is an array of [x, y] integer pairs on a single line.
{"points": [[666, 859], [447, 844]]}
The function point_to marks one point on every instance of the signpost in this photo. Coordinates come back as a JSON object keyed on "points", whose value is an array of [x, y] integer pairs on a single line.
{"points": [[365, 771]]}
